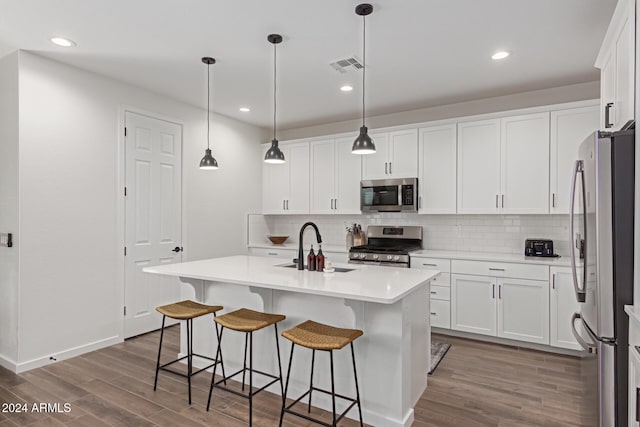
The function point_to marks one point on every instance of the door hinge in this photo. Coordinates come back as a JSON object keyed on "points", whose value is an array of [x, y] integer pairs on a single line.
{"points": [[125, 131], [125, 310], [125, 251]]}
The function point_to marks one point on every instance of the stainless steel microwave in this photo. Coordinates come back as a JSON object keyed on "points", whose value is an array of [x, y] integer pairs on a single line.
{"points": [[389, 195]]}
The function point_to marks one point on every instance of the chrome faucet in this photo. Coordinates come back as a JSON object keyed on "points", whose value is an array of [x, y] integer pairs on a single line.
{"points": [[300, 254]]}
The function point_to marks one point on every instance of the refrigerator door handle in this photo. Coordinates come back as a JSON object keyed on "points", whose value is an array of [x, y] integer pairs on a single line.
{"points": [[578, 169], [591, 348]]}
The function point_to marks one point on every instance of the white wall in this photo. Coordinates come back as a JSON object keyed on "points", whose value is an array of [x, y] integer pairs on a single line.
{"points": [[69, 137], [558, 95], [9, 207]]}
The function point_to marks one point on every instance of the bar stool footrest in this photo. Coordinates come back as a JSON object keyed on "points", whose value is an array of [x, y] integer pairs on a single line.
{"points": [[288, 409], [245, 395], [185, 375]]}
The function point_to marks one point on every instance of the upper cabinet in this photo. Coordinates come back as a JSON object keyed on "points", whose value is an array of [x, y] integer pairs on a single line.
{"points": [[503, 165], [396, 156], [616, 63], [437, 170], [285, 187], [335, 177], [568, 129]]}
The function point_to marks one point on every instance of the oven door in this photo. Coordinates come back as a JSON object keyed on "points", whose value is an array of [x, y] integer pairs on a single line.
{"points": [[380, 263]]}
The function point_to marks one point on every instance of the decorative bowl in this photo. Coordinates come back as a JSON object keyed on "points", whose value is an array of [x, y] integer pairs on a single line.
{"points": [[277, 240]]}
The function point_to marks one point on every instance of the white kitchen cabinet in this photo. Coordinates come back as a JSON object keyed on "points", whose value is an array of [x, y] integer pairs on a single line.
{"points": [[473, 304], [523, 310], [499, 305], [274, 252], [440, 289], [524, 162], [503, 165], [335, 177], [478, 166], [437, 153], [440, 312], [396, 156], [285, 187], [616, 63], [562, 305], [634, 387], [568, 129]]}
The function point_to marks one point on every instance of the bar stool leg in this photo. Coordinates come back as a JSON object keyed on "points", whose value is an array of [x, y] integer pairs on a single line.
{"points": [[279, 362], [333, 389], [313, 359], [355, 376], [155, 382], [215, 367], [189, 357], [250, 379], [286, 387], [246, 338], [224, 376]]}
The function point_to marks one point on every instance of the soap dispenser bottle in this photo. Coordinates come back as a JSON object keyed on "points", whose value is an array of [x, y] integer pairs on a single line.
{"points": [[320, 259], [311, 260]]}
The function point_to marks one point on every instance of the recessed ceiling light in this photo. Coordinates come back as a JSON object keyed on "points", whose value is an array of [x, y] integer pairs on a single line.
{"points": [[500, 55], [63, 42], [346, 88], [245, 109]]}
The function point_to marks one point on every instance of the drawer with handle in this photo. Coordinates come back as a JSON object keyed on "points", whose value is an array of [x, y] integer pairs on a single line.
{"points": [[274, 253], [440, 292], [443, 265], [442, 279], [440, 314], [501, 269]]}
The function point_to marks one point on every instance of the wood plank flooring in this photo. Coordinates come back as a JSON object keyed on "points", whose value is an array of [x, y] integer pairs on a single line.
{"points": [[477, 384]]}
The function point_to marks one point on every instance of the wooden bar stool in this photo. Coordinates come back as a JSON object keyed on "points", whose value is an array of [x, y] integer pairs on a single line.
{"points": [[317, 336], [247, 321], [186, 310]]}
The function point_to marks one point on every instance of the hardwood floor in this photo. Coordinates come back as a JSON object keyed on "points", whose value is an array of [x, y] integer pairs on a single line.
{"points": [[477, 384]]}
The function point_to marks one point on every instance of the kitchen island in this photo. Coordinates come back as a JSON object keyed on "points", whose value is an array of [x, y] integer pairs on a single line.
{"points": [[391, 306]]}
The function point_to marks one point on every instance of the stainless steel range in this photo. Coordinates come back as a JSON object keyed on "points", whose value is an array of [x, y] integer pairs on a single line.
{"points": [[387, 246]]}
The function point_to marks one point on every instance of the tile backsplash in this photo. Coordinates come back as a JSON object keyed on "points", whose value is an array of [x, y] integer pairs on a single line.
{"points": [[487, 233]]}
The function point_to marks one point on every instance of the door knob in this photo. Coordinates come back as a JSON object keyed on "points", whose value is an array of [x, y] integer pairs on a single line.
{"points": [[177, 249]]}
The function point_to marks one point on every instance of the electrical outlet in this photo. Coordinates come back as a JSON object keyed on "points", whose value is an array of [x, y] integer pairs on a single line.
{"points": [[6, 240]]}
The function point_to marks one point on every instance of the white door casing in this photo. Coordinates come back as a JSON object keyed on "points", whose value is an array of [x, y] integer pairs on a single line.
{"points": [[153, 217]]}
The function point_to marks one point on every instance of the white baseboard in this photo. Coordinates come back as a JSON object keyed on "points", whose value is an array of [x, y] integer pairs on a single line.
{"points": [[7, 363], [66, 354]]}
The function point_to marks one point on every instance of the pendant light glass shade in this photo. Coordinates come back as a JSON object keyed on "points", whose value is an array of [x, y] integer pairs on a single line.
{"points": [[274, 155], [208, 162], [363, 143]]}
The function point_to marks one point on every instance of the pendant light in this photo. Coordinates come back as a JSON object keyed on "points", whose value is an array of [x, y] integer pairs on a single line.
{"points": [[208, 162], [274, 154], [363, 143]]}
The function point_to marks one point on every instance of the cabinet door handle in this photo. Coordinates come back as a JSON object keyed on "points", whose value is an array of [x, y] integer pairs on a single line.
{"points": [[331, 203], [493, 291], [553, 281], [433, 314], [390, 168], [496, 269], [637, 402], [430, 265], [496, 201], [433, 292], [502, 200], [385, 168], [287, 204], [335, 204], [607, 114], [419, 202], [499, 291], [272, 253], [553, 200], [283, 205]]}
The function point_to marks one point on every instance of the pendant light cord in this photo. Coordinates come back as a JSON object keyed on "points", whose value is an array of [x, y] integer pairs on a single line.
{"points": [[364, 60], [274, 90], [208, 101]]}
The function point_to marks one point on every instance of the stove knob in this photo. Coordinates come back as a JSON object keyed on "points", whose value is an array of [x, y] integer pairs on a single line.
{"points": [[389, 257], [375, 256], [363, 256], [396, 257]]}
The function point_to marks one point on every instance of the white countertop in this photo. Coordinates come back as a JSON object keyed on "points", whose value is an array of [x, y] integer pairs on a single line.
{"points": [[294, 246], [384, 285], [564, 261]]}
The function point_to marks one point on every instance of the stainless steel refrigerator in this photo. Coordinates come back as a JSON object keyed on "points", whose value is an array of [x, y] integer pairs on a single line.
{"points": [[601, 227]]}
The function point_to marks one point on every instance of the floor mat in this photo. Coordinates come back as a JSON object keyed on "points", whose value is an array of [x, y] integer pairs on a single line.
{"points": [[438, 351]]}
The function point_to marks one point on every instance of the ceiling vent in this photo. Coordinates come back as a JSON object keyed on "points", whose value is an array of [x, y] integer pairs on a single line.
{"points": [[348, 64]]}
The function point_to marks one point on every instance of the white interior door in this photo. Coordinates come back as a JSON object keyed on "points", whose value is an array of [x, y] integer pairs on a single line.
{"points": [[153, 217]]}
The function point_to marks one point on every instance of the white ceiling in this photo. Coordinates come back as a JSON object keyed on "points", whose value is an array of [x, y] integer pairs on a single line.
{"points": [[420, 53]]}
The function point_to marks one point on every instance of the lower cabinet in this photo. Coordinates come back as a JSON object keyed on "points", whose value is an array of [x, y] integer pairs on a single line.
{"points": [[275, 252], [504, 307], [634, 387], [563, 304], [440, 314]]}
